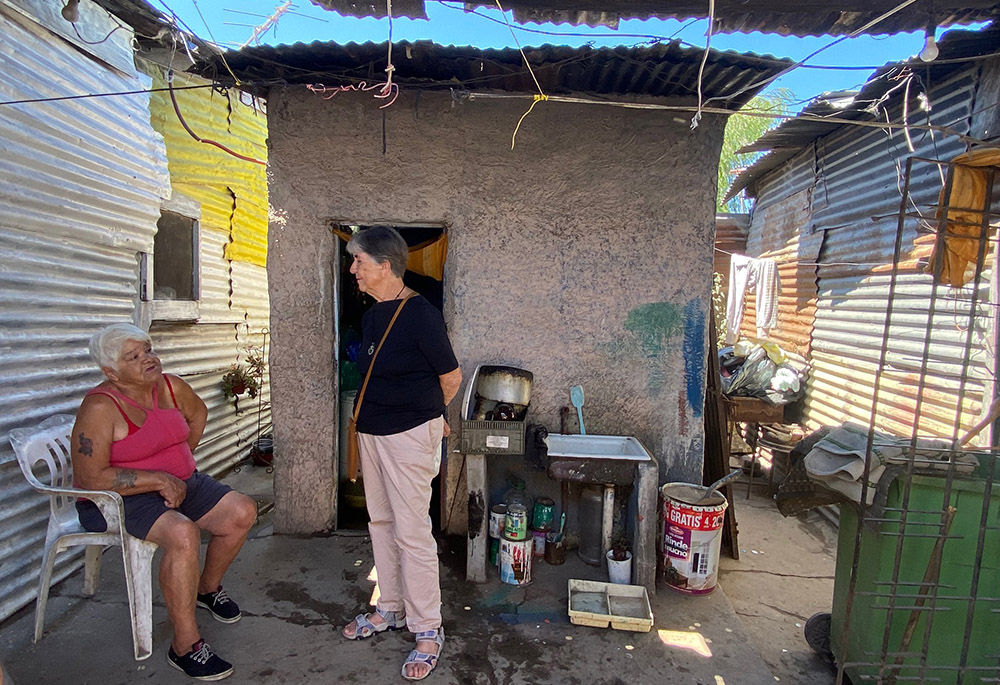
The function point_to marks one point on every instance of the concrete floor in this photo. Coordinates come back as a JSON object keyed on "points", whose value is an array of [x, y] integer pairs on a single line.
{"points": [[297, 592]]}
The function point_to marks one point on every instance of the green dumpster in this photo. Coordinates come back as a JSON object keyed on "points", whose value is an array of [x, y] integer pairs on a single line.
{"points": [[867, 656]]}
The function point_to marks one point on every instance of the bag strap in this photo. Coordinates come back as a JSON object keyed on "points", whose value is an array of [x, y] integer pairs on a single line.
{"points": [[371, 364]]}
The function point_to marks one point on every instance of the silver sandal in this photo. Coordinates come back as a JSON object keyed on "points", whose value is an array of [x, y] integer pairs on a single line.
{"points": [[418, 657], [364, 628]]}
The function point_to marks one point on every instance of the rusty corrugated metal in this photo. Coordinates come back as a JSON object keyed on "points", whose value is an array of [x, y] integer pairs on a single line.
{"points": [[776, 234], [232, 192], [80, 189], [791, 18], [730, 238], [662, 70], [845, 191]]}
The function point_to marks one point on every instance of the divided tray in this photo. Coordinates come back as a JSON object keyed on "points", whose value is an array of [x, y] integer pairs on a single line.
{"points": [[596, 604]]}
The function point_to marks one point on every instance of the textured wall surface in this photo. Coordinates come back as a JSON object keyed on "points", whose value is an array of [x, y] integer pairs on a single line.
{"points": [[584, 256]]}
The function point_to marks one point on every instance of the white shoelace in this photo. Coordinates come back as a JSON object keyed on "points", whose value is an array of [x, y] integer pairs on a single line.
{"points": [[203, 654]]}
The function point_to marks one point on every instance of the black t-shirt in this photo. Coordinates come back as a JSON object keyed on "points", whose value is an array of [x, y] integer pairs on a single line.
{"points": [[404, 390]]}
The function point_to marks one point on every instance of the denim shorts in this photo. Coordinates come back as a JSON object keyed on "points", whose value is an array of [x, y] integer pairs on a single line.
{"points": [[143, 510]]}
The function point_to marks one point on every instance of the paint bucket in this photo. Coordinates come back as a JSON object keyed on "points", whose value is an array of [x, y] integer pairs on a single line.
{"points": [[555, 550], [538, 540], [497, 515], [692, 537], [515, 524], [515, 561], [544, 514], [494, 550]]}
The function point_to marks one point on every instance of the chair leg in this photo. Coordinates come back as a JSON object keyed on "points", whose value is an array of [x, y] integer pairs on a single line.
{"points": [[44, 580], [92, 569], [138, 558]]}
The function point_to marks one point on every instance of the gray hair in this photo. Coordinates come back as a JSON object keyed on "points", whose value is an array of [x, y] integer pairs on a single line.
{"points": [[106, 345], [382, 244]]}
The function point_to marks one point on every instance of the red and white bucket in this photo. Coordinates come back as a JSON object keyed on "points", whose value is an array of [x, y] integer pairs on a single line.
{"points": [[692, 537]]}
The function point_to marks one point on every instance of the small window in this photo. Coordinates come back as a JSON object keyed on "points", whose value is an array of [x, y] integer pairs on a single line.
{"points": [[176, 248], [170, 276]]}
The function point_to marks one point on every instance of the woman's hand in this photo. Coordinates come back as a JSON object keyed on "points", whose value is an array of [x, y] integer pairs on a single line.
{"points": [[173, 490], [447, 429]]}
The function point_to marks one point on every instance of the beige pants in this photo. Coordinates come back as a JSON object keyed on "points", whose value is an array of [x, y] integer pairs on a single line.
{"points": [[397, 471]]}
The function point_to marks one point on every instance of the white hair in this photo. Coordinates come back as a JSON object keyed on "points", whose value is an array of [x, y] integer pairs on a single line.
{"points": [[106, 345]]}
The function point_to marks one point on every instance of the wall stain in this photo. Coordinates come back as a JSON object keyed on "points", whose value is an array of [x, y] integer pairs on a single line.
{"points": [[653, 324], [694, 355], [477, 511]]}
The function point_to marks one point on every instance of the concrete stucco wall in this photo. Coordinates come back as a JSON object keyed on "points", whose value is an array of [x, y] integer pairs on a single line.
{"points": [[584, 256]]}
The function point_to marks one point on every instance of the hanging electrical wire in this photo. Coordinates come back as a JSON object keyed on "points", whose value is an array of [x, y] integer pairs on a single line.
{"points": [[704, 58], [180, 118]]}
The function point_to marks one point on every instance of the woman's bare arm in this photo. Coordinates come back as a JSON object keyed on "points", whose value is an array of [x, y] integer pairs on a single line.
{"points": [[192, 407]]}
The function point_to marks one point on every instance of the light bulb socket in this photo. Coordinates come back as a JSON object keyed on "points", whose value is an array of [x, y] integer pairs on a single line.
{"points": [[71, 11]]}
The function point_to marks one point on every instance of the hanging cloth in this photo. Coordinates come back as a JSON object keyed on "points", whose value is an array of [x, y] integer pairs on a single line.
{"points": [[745, 273], [964, 227]]}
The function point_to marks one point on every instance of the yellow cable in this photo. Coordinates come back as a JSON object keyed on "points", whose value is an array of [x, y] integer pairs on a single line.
{"points": [[541, 96]]}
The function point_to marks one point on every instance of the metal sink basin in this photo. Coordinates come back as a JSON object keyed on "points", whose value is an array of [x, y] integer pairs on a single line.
{"points": [[595, 459]]}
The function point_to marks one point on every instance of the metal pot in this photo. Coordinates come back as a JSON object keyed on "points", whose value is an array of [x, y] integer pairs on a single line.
{"points": [[504, 384]]}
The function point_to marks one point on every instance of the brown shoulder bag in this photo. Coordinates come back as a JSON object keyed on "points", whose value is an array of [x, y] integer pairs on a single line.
{"points": [[353, 455]]}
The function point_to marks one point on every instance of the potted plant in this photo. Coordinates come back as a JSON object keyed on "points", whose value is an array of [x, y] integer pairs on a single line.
{"points": [[238, 381], [620, 560]]}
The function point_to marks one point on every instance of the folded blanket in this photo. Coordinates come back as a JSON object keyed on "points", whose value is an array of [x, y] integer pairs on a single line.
{"points": [[838, 460]]}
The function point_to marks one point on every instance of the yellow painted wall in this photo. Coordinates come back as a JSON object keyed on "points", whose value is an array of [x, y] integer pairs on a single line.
{"points": [[232, 192]]}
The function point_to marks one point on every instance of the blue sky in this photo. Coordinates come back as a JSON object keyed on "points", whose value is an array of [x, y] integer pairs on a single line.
{"points": [[228, 23]]}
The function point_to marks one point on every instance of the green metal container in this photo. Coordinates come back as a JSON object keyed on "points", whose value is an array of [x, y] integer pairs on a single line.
{"points": [[865, 648]]}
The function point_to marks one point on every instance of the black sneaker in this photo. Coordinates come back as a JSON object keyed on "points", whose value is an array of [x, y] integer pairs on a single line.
{"points": [[222, 607], [201, 663]]}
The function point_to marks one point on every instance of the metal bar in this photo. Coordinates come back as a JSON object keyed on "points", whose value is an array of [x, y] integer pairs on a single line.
{"points": [[984, 231], [918, 408], [841, 653]]}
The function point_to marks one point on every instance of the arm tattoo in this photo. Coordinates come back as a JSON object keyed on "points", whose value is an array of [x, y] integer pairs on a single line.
{"points": [[125, 478], [86, 445]]}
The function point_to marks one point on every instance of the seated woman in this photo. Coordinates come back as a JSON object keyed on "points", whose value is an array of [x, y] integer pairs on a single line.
{"points": [[134, 434]]}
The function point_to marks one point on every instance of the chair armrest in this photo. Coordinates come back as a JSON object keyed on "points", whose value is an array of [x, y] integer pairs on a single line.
{"points": [[108, 501]]}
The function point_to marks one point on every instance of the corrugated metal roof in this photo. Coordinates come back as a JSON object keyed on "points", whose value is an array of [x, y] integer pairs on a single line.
{"points": [[787, 17], [663, 70], [956, 47]]}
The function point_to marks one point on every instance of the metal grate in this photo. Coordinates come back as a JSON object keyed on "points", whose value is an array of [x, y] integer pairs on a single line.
{"points": [[921, 602]]}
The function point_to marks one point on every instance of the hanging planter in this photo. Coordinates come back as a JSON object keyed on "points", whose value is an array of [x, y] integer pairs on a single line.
{"points": [[239, 381]]}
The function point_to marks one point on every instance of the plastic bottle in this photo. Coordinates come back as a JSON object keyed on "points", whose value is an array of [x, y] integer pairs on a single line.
{"points": [[516, 493]]}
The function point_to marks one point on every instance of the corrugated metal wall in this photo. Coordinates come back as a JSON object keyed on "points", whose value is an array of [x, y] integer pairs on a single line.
{"points": [[776, 233], [80, 189], [840, 198], [81, 184]]}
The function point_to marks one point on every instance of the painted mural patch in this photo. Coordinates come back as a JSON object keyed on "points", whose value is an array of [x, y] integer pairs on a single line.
{"points": [[694, 355], [654, 324]]}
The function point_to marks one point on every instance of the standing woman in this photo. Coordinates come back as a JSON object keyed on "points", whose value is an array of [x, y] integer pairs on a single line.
{"points": [[400, 428]]}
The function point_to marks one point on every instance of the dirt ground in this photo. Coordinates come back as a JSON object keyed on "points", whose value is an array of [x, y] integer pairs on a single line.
{"points": [[784, 575]]}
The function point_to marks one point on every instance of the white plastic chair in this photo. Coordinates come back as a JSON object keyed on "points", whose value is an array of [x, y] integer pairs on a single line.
{"points": [[49, 442]]}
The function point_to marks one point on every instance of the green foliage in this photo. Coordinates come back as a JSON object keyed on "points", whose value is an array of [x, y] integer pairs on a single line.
{"points": [[246, 379], [741, 130], [719, 306]]}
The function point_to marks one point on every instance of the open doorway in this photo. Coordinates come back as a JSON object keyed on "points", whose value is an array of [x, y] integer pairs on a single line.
{"points": [[428, 245]]}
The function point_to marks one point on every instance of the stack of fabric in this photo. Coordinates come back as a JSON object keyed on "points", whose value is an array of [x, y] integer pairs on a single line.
{"points": [[838, 460]]}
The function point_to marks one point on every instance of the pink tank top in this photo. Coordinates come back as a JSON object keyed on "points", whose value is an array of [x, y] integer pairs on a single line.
{"points": [[159, 444]]}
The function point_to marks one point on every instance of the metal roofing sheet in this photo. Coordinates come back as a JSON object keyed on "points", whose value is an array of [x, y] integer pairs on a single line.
{"points": [[663, 70], [956, 49], [787, 17]]}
